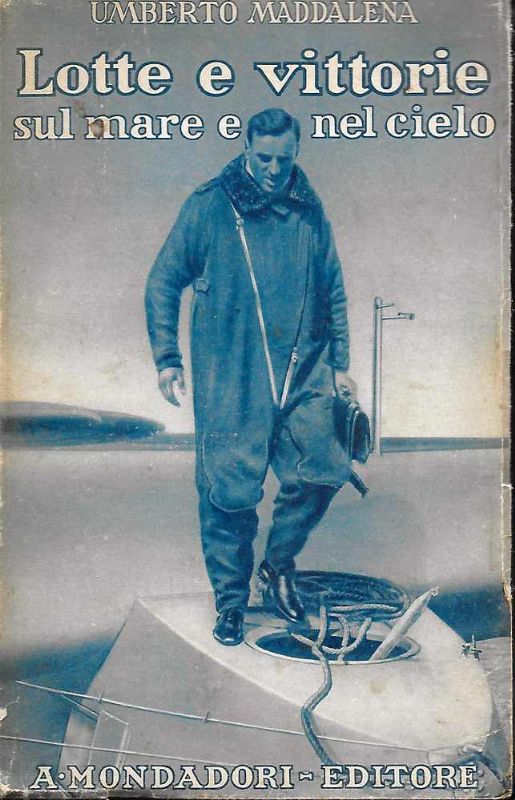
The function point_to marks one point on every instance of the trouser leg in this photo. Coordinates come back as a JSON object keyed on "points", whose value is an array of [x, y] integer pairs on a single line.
{"points": [[227, 538], [298, 508]]}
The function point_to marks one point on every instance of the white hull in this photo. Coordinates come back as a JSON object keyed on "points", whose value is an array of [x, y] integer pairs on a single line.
{"points": [[242, 706]]}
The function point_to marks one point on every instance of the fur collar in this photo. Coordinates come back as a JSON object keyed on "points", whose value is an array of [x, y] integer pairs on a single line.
{"points": [[247, 195]]}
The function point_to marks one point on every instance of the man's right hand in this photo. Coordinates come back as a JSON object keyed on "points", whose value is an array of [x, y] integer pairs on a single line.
{"points": [[166, 379]]}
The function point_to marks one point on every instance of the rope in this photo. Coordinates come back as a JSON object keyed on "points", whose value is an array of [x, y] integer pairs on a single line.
{"points": [[343, 597], [356, 596], [322, 692]]}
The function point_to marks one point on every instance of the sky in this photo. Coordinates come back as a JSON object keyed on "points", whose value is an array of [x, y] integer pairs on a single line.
{"points": [[421, 223]]}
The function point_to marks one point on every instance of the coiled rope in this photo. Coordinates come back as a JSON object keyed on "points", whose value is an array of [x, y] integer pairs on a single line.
{"points": [[361, 595], [344, 598]]}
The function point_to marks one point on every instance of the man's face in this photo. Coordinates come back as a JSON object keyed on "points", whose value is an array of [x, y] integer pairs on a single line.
{"points": [[271, 159]]}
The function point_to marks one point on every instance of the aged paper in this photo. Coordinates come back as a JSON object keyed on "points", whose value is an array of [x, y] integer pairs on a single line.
{"points": [[196, 600]]}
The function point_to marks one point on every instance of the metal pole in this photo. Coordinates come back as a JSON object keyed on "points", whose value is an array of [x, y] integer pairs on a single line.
{"points": [[376, 375]]}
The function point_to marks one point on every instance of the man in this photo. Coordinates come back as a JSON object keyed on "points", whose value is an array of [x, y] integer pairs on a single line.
{"points": [[269, 345]]}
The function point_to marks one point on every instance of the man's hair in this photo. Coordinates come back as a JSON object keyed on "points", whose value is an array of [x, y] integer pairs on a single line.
{"points": [[272, 122]]}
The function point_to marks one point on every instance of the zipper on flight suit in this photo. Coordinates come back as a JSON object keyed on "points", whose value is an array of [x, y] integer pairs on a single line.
{"points": [[289, 375], [294, 356]]}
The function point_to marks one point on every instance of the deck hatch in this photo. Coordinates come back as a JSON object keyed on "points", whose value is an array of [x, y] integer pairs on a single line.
{"points": [[281, 644]]}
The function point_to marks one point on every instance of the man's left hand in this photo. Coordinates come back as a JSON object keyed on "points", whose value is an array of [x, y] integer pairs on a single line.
{"points": [[344, 386]]}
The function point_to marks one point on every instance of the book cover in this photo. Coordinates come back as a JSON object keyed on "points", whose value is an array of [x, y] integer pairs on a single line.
{"points": [[255, 331]]}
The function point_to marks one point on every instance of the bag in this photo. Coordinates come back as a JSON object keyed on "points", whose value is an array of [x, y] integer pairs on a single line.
{"points": [[353, 432], [352, 429]]}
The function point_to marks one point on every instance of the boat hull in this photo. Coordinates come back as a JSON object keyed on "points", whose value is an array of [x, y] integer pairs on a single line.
{"points": [[172, 695]]}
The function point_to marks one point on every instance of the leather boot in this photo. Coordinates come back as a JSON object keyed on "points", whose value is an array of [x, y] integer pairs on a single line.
{"points": [[280, 589], [229, 627]]}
